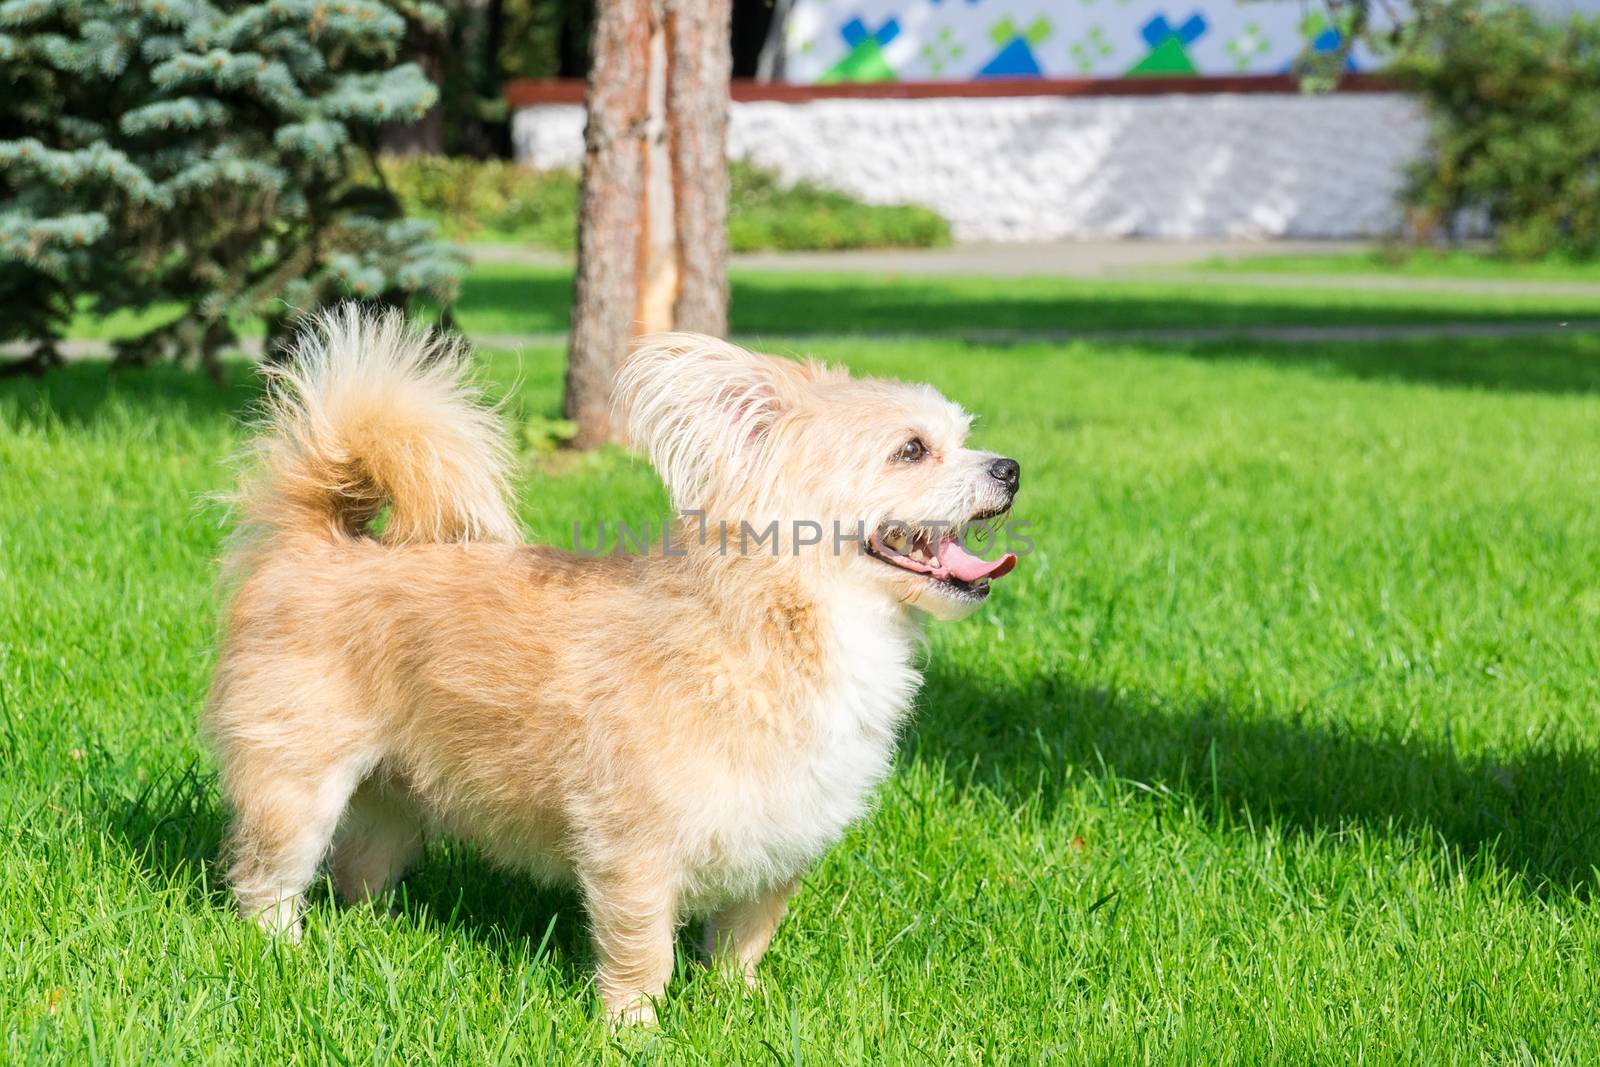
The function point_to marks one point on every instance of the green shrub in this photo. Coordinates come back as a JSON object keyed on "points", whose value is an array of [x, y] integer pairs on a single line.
{"points": [[545, 38], [479, 200], [1515, 104], [487, 200], [207, 154], [764, 213]]}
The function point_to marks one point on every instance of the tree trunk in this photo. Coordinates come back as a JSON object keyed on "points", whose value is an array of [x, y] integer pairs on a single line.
{"points": [[658, 266], [770, 64], [426, 135], [652, 223], [609, 214], [698, 70]]}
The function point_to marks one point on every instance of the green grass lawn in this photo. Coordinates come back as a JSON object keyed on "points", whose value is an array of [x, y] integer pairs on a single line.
{"points": [[509, 299], [1459, 263], [504, 299], [1283, 747]]}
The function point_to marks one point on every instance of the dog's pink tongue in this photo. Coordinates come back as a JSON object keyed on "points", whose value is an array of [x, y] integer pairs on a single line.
{"points": [[954, 558]]}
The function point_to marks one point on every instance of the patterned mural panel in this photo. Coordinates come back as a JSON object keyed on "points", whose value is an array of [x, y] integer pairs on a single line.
{"points": [[957, 40]]}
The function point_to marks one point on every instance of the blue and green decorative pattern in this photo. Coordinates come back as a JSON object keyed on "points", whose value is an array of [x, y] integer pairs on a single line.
{"points": [[960, 40], [864, 62], [1016, 58]]}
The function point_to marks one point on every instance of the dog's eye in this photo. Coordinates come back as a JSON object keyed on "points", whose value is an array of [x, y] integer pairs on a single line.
{"points": [[912, 451]]}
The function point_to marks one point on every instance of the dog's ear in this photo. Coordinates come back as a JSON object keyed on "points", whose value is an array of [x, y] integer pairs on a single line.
{"points": [[704, 410]]}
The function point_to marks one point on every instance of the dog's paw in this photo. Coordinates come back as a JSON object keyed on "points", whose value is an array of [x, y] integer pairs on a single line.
{"points": [[639, 1010], [281, 921]]}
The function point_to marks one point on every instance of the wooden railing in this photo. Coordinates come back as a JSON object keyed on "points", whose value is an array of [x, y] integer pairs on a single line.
{"points": [[528, 92]]}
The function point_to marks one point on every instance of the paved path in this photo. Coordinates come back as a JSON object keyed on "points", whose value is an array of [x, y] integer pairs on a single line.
{"points": [[1335, 334], [1130, 260], [1398, 283], [1060, 259], [1323, 334], [1067, 259], [1112, 261]]}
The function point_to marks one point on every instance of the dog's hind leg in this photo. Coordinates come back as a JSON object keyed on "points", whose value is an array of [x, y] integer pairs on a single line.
{"points": [[285, 814], [379, 837], [633, 915], [737, 937]]}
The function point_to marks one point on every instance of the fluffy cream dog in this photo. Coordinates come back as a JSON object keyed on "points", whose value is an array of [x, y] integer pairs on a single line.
{"points": [[678, 735]]}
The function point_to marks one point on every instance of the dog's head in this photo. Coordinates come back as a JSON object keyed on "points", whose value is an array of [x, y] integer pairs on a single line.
{"points": [[870, 480]]}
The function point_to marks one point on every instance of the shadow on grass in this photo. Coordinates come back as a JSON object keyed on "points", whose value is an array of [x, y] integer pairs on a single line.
{"points": [[1541, 364], [934, 309], [79, 392], [1546, 363], [535, 300], [1534, 812], [174, 827], [790, 303]]}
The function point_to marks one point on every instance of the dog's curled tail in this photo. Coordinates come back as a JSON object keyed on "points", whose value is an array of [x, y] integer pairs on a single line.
{"points": [[369, 412]]}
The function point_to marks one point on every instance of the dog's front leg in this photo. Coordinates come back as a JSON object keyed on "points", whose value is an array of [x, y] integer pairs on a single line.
{"points": [[634, 915], [737, 936]]}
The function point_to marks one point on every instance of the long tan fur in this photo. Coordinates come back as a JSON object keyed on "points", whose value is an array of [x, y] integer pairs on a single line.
{"points": [[369, 411], [676, 736]]}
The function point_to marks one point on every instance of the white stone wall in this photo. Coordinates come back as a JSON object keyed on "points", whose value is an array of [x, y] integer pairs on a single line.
{"points": [[1047, 168]]}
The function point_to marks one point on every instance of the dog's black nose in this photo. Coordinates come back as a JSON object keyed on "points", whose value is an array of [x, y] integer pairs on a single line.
{"points": [[1008, 472]]}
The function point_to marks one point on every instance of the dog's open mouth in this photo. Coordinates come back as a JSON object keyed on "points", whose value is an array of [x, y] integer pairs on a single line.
{"points": [[946, 562]]}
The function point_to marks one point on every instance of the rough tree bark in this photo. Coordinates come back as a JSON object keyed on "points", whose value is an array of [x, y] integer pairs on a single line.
{"points": [[657, 286], [698, 70], [608, 213], [652, 230]]}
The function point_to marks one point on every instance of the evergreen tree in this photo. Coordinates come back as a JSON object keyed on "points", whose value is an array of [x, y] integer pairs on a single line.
{"points": [[218, 155]]}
